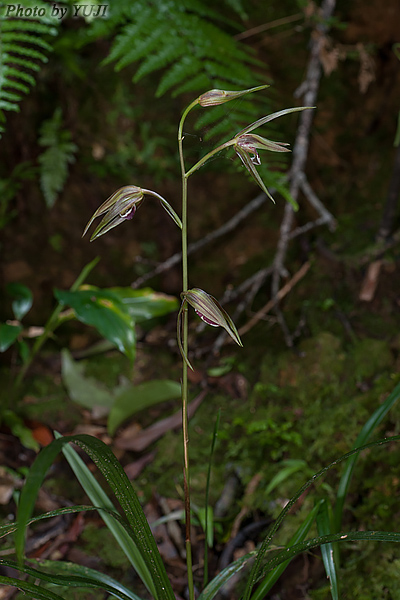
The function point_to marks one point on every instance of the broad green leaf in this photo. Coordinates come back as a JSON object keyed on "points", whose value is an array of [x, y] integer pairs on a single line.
{"points": [[86, 391], [274, 575], [145, 304], [324, 525], [8, 335], [106, 312], [139, 397], [124, 492], [21, 431], [74, 576], [23, 299]]}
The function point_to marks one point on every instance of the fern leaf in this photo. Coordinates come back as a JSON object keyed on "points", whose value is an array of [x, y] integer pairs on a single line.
{"points": [[4, 105], [199, 82], [160, 60], [144, 47], [16, 36], [178, 72], [22, 46], [24, 51], [8, 72], [55, 159]]}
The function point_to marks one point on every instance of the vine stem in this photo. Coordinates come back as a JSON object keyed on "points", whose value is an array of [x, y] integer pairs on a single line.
{"points": [[185, 280]]}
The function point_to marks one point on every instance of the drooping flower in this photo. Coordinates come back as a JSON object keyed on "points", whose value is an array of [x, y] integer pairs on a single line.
{"points": [[121, 206], [210, 311], [247, 144]]}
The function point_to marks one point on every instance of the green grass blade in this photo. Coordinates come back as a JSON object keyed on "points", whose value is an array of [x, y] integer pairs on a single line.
{"points": [[100, 499], [299, 536], [104, 581], [350, 536], [9, 528], [34, 590], [324, 525], [209, 524], [76, 576], [216, 584], [257, 566], [122, 488], [362, 438]]}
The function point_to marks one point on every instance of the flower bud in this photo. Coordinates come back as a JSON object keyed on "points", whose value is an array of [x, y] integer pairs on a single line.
{"points": [[216, 97]]}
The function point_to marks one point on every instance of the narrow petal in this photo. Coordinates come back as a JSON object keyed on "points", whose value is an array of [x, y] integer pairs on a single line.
{"points": [[246, 160], [271, 117]]}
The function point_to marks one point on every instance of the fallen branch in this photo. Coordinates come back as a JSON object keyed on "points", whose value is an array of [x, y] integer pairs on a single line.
{"points": [[260, 314]]}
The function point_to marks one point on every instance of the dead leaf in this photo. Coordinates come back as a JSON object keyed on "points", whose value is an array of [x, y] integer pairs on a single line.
{"points": [[147, 436]]}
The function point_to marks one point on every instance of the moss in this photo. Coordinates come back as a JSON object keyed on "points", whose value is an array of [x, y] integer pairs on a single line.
{"points": [[99, 543]]}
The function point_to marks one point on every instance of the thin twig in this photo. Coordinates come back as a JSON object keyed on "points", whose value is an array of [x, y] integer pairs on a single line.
{"points": [[265, 26], [260, 314]]}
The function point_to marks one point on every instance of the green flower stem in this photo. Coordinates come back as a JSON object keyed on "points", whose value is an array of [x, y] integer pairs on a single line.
{"points": [[185, 349]]}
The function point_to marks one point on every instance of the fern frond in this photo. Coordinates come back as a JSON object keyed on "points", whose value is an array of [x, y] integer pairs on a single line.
{"points": [[22, 47], [189, 42], [12, 72], [55, 159]]}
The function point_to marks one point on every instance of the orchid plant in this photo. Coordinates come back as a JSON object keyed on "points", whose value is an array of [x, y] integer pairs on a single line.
{"points": [[131, 530], [123, 204]]}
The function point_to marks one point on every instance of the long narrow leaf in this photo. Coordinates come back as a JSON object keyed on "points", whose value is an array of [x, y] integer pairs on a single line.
{"points": [[100, 500], [257, 566], [362, 438], [209, 522], [350, 536], [298, 537], [122, 488], [327, 550], [34, 590], [76, 576], [223, 577]]}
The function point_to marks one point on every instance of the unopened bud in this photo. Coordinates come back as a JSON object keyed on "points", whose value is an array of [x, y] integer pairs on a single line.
{"points": [[216, 97]]}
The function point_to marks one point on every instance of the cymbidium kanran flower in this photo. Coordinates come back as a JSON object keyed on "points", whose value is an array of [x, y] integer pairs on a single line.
{"points": [[247, 144], [210, 311], [121, 206]]}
